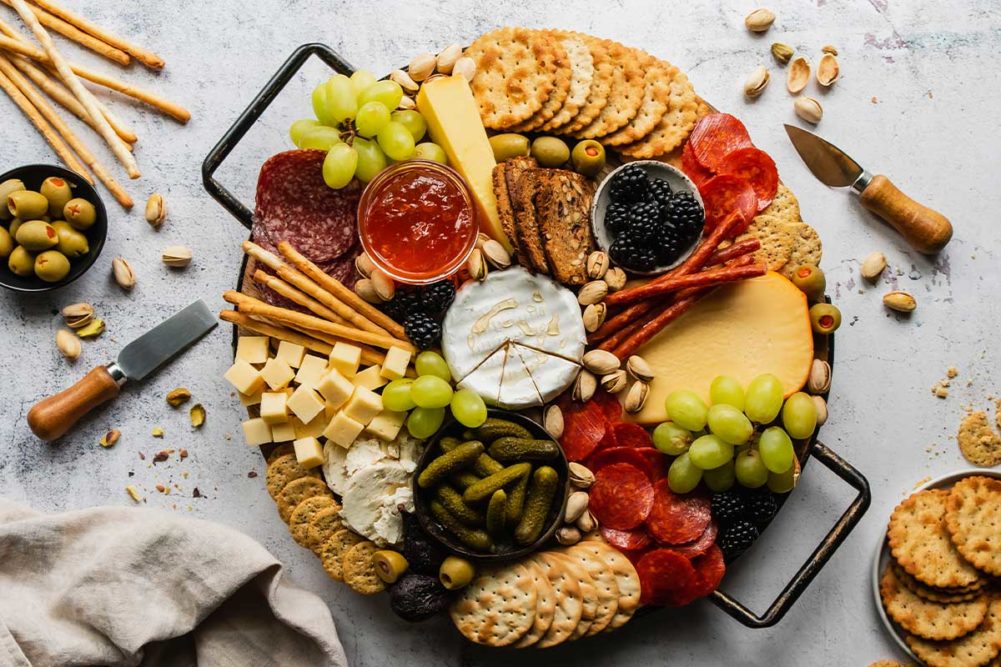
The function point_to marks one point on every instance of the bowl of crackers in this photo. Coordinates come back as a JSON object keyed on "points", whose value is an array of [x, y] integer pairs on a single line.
{"points": [[935, 574]]}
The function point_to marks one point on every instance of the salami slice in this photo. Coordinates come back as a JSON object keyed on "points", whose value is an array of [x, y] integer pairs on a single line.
{"points": [[664, 576], [631, 435], [610, 406], [677, 519], [725, 194], [584, 426], [711, 569], [757, 168], [621, 496], [631, 455], [692, 168], [627, 540], [700, 545], [716, 135]]}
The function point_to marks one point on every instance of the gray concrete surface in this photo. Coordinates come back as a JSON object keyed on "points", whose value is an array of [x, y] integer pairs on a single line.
{"points": [[917, 100]]}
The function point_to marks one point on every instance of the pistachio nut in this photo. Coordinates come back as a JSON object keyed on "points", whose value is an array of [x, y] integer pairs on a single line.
{"points": [[552, 420], [476, 266], [592, 292], [422, 66], [178, 397], [110, 438], [760, 20], [481, 238], [365, 288], [431, 78], [821, 405], [157, 432], [77, 315], [597, 265], [601, 362], [615, 278], [594, 316], [156, 210], [782, 52], [464, 67], [580, 475], [829, 48], [900, 301], [406, 103], [92, 329], [383, 285], [757, 82], [584, 386], [576, 505], [639, 369], [828, 70], [495, 253], [364, 265], [405, 81], [614, 382], [568, 535], [873, 266], [808, 109], [123, 273], [586, 523], [197, 415], [798, 75], [636, 397], [447, 57], [820, 377], [176, 256], [68, 344]]}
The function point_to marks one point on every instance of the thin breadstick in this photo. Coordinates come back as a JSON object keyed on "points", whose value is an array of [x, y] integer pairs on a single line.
{"points": [[142, 55], [339, 290], [74, 34], [47, 112], [170, 108], [281, 333], [368, 355], [85, 97], [50, 135], [296, 296]]}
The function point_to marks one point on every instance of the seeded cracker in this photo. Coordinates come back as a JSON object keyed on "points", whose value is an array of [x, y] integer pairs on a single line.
{"points": [[777, 241], [676, 124], [657, 91], [283, 470], [332, 552], [280, 450], [297, 491], [322, 527], [973, 519], [545, 606], [976, 649], [926, 619], [569, 606], [561, 89], [625, 97], [785, 206], [304, 512], [977, 440], [498, 607], [601, 86], [806, 247], [581, 76], [359, 572]]}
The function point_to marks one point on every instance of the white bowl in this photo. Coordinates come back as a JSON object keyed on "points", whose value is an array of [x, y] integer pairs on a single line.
{"points": [[678, 181], [883, 558]]}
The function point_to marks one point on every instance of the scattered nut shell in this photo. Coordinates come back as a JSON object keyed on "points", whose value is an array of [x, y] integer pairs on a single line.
{"points": [[828, 70], [481, 238], [383, 285], [639, 369], [821, 406], [110, 438], [580, 475], [133, 493], [615, 278], [495, 253], [594, 316], [365, 288], [798, 75], [636, 397], [157, 432], [476, 266], [68, 344], [576, 505], [808, 109], [552, 420], [601, 362], [431, 78], [597, 265], [757, 82], [900, 301], [584, 386], [820, 377], [829, 48], [422, 66], [406, 82], [121, 269], [464, 67], [176, 256], [873, 266], [447, 57], [614, 382], [782, 52], [92, 329], [760, 20], [156, 210], [178, 397], [586, 523], [364, 265], [197, 414], [406, 103], [568, 535], [78, 315], [592, 292]]}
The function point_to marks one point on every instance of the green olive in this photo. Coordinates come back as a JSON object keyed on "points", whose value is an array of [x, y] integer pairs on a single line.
{"points": [[550, 151], [72, 243], [27, 204], [507, 146], [15, 224], [37, 235], [21, 262], [51, 266], [6, 243], [824, 318], [456, 573], [7, 187], [80, 213], [58, 192], [811, 280], [389, 565], [588, 158]]}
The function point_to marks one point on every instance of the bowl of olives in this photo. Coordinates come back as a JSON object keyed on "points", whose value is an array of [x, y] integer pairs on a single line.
{"points": [[52, 227]]}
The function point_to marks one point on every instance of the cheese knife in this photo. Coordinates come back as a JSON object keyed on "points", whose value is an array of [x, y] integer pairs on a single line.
{"points": [[925, 229], [52, 417]]}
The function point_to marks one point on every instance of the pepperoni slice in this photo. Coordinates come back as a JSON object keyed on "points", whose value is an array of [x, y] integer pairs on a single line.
{"points": [[757, 168], [677, 519], [627, 540], [716, 135], [664, 576], [631, 435], [632, 455], [711, 569], [584, 427], [692, 168], [607, 442], [610, 406], [725, 194], [621, 496], [700, 545]]}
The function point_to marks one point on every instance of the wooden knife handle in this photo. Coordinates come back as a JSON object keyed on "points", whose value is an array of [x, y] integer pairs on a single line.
{"points": [[925, 229], [51, 417]]}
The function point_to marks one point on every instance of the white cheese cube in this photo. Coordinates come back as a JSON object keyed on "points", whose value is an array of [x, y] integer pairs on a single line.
{"points": [[342, 430], [370, 378], [256, 432], [345, 358], [308, 452], [395, 365], [305, 404], [336, 388], [277, 373], [311, 370], [313, 429], [290, 353], [243, 376], [274, 406], [364, 405], [282, 432], [386, 425], [252, 349], [246, 400]]}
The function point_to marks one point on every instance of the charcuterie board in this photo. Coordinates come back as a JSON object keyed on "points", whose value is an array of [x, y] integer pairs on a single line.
{"points": [[635, 487]]}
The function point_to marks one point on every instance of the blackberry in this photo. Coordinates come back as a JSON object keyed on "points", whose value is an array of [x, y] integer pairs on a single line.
{"points": [[616, 216], [686, 214], [728, 507], [437, 297], [629, 185], [644, 221], [660, 194], [670, 244], [423, 330], [633, 255], [736, 539], [402, 304], [761, 507]]}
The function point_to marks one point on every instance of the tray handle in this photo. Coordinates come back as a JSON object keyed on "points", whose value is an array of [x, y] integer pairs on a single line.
{"points": [[236, 132], [820, 555]]}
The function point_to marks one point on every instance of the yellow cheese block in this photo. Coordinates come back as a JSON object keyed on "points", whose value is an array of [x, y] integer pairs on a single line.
{"points": [[453, 120], [744, 329]]}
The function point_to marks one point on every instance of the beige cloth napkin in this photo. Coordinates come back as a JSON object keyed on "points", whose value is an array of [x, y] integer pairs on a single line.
{"points": [[129, 586]]}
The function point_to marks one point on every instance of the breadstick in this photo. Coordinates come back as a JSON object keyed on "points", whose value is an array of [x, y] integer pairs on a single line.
{"points": [[74, 34], [368, 355], [62, 150], [346, 294], [147, 58], [294, 295], [281, 333], [85, 97]]}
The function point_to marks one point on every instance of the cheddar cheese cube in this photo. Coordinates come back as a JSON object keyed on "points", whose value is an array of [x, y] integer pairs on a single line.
{"points": [[335, 388], [290, 353], [308, 452], [370, 378], [277, 373], [395, 365], [305, 404], [364, 405], [342, 430], [274, 407], [244, 377], [311, 370], [246, 400], [386, 425], [345, 358], [312, 429], [252, 349], [256, 432], [282, 432]]}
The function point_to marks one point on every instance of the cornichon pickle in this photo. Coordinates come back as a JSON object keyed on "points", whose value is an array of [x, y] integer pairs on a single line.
{"points": [[485, 465], [486, 486], [449, 443], [453, 502], [516, 501], [449, 462], [494, 428], [464, 479], [495, 512], [471, 537], [540, 498], [523, 449]]}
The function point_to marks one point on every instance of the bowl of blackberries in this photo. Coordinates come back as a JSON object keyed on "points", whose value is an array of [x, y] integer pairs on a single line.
{"points": [[420, 310], [648, 216]]}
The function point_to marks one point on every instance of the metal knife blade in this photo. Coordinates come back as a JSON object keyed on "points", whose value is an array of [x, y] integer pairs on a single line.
{"points": [[831, 165], [165, 341]]}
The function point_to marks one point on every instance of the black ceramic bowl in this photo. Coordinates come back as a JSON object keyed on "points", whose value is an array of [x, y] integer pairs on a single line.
{"points": [[431, 526], [32, 176]]}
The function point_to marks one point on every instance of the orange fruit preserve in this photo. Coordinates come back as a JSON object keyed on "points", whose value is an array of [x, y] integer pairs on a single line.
{"points": [[417, 221]]}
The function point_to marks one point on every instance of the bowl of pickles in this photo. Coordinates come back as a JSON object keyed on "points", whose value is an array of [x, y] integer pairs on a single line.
{"points": [[52, 227], [492, 493]]}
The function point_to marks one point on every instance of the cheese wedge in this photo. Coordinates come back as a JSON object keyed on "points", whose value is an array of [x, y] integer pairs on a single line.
{"points": [[453, 120]]}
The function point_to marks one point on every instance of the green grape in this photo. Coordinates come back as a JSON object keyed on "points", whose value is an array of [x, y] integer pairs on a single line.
{"points": [[371, 159], [726, 389], [339, 166], [387, 92], [424, 422], [468, 408], [671, 439], [432, 363], [729, 423], [396, 395], [782, 482], [763, 399], [430, 151], [413, 121], [340, 99], [430, 391], [686, 409], [362, 79], [776, 450], [321, 137], [299, 128], [371, 117], [710, 452], [721, 478], [749, 469], [799, 416], [396, 141], [683, 476], [320, 107]]}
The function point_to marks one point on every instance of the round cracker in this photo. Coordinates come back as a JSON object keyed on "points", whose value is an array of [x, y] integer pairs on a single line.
{"points": [[926, 619], [974, 650], [973, 519], [777, 240], [784, 206], [332, 551], [588, 592], [625, 97], [977, 440], [280, 450], [942, 595], [304, 512], [674, 126], [561, 90], [297, 491], [569, 606], [626, 579], [581, 76], [545, 606], [656, 92], [601, 86], [806, 249], [498, 607], [359, 571], [283, 470], [606, 587], [323, 526]]}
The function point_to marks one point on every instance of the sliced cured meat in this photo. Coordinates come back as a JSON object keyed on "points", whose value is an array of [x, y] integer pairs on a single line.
{"points": [[610, 406], [612, 455], [700, 545], [627, 540], [726, 194], [692, 168], [711, 569], [676, 519], [757, 168], [716, 135], [621, 496], [664, 576], [608, 441], [584, 426], [631, 435]]}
